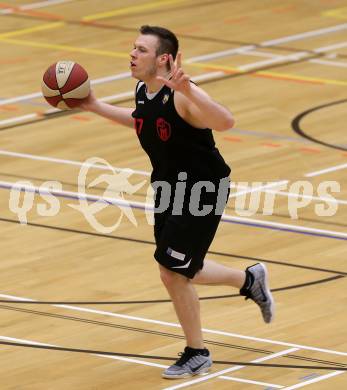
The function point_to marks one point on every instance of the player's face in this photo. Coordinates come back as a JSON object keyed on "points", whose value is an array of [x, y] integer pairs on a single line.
{"points": [[143, 57]]}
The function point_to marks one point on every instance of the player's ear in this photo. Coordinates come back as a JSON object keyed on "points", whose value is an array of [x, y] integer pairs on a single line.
{"points": [[164, 59]]}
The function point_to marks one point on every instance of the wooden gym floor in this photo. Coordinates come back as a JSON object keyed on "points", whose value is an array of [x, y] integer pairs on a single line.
{"points": [[94, 314]]}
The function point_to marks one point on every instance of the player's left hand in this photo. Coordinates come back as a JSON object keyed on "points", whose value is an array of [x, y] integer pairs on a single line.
{"points": [[179, 81]]}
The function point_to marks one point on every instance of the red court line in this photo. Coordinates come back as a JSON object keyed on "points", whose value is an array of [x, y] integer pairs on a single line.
{"points": [[310, 150], [14, 60], [17, 10], [233, 139], [9, 108], [271, 145], [80, 118]]}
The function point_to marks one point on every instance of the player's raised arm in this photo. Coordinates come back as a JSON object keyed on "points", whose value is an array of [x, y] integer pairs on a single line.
{"points": [[118, 114], [198, 108]]}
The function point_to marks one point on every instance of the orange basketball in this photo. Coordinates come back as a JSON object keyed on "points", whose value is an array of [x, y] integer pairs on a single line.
{"points": [[65, 84]]}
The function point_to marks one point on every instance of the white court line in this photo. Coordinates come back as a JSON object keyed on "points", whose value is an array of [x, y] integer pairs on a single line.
{"points": [[131, 360], [76, 195], [19, 186], [326, 170], [101, 80], [146, 363], [5, 338], [232, 378], [220, 54], [41, 4], [330, 63], [231, 369], [263, 54], [289, 38], [298, 228], [206, 57], [284, 193], [114, 357], [323, 49], [314, 380], [70, 162], [19, 119], [175, 325], [249, 190], [107, 99], [128, 94], [307, 34], [265, 188], [258, 64]]}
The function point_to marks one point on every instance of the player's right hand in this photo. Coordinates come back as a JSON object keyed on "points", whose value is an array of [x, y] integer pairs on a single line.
{"points": [[89, 102]]}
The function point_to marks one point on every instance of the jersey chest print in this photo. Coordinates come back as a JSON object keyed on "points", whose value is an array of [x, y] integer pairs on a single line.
{"points": [[163, 129]]}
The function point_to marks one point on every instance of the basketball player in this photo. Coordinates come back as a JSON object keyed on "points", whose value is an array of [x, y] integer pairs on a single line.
{"points": [[173, 120]]}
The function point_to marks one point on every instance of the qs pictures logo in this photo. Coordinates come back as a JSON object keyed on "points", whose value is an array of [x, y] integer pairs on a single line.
{"points": [[117, 184], [22, 196]]}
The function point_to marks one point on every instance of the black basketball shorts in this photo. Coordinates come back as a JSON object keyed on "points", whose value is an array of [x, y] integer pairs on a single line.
{"points": [[183, 241]]}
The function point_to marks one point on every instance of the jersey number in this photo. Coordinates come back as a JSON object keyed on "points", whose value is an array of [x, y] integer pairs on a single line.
{"points": [[138, 125]]}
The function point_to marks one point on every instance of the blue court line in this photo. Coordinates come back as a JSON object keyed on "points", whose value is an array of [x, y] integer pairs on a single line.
{"points": [[253, 224], [286, 230]]}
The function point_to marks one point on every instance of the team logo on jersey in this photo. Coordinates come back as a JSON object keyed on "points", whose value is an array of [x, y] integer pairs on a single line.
{"points": [[163, 129], [165, 98]]}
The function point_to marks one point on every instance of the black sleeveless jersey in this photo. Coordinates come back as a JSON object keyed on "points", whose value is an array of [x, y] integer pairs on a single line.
{"points": [[172, 144]]}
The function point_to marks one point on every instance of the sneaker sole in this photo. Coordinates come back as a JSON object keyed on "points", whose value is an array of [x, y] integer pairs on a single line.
{"points": [[187, 375], [268, 292]]}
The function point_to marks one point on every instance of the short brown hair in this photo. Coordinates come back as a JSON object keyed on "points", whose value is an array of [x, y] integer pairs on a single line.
{"points": [[168, 42]]}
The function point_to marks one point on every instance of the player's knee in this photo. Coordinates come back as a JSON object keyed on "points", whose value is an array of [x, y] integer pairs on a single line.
{"points": [[166, 276], [169, 278]]}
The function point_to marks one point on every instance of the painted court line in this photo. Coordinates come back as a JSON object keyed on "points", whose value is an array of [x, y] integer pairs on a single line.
{"points": [[40, 4], [114, 357], [258, 64], [314, 380], [44, 4], [285, 227], [266, 188], [307, 34], [175, 325], [145, 173], [101, 80], [326, 170], [231, 369], [19, 119], [29, 30], [70, 162], [339, 45], [206, 57], [15, 340], [232, 378], [148, 207], [207, 76], [107, 99], [131, 9], [330, 63], [249, 190]]}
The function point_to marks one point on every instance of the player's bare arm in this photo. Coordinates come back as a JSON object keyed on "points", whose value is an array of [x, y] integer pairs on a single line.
{"points": [[121, 115], [193, 104]]}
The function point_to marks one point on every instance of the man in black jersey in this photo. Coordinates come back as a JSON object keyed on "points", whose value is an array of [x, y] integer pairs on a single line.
{"points": [[173, 119]]}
